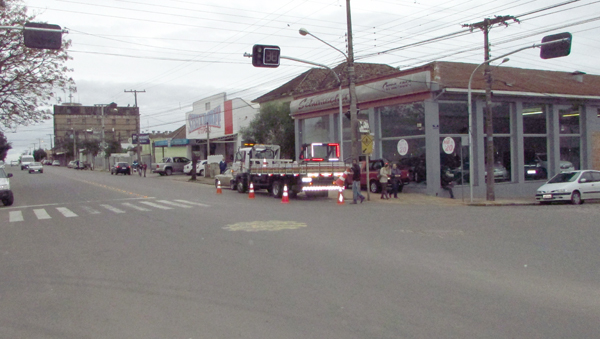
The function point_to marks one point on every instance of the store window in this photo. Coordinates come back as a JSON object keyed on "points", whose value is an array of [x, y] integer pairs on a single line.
{"points": [[568, 120], [413, 160], [402, 120], [535, 141], [534, 118], [454, 118], [502, 158], [501, 118], [315, 130], [451, 163], [570, 138]]}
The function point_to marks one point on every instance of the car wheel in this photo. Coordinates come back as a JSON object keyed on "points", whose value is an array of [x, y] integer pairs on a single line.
{"points": [[30, 172], [544, 202], [41, 171], [201, 173], [374, 187], [8, 201], [168, 171], [241, 188], [576, 198], [277, 189]]}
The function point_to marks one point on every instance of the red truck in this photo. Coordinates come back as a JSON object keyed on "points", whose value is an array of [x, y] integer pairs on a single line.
{"points": [[374, 186]]}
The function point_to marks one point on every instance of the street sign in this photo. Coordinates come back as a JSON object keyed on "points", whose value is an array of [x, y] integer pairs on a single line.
{"points": [[402, 147], [367, 143], [42, 36], [363, 126], [561, 48], [448, 145]]}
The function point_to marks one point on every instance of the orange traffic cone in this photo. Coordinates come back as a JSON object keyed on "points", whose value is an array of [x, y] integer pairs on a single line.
{"points": [[251, 194], [340, 197], [219, 191], [285, 198]]}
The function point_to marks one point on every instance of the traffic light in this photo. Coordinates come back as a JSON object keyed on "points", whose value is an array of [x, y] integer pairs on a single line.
{"points": [[557, 49], [265, 56], [42, 39]]}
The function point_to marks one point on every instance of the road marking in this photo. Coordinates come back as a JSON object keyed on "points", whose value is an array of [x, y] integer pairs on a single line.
{"points": [[193, 203], [90, 210], [155, 205], [112, 209], [41, 213], [270, 225], [66, 212], [15, 216], [173, 203], [135, 207]]}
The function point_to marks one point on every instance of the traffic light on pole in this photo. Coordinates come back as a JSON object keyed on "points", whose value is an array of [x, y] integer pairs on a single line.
{"points": [[42, 36], [557, 49], [265, 56]]}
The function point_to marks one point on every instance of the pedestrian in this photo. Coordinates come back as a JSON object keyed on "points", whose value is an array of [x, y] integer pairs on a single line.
{"points": [[396, 180], [222, 166], [384, 176], [139, 168], [447, 180], [144, 166], [355, 170]]}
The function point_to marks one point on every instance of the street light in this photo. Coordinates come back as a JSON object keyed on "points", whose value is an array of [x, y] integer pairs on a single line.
{"points": [[352, 90]]}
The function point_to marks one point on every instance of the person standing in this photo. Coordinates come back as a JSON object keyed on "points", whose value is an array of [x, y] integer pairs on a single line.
{"points": [[140, 166], [396, 179], [384, 176], [222, 166], [355, 170], [144, 166]]}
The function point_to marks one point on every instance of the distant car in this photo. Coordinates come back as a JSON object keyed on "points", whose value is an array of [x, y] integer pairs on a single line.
{"points": [[121, 167], [227, 179], [14, 163], [56, 163], [574, 186], [187, 169], [36, 167], [71, 164]]}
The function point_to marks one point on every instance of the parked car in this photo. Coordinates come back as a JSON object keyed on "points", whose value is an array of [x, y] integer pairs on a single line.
{"points": [[374, 166], [71, 164], [574, 186], [227, 179], [2, 164], [200, 166], [121, 167], [6, 195], [56, 163], [36, 167]]}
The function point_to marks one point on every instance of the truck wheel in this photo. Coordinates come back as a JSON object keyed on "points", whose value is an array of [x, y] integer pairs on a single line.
{"points": [[241, 188], [277, 189], [374, 187], [168, 171], [8, 201]]}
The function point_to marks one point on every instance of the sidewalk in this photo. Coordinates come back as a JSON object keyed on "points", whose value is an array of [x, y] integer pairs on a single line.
{"points": [[404, 198]]}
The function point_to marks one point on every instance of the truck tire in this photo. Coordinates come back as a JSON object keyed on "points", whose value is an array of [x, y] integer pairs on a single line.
{"points": [[168, 172], [277, 189], [374, 187], [241, 188]]}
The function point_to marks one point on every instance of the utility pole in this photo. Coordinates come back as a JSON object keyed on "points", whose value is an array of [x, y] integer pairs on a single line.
{"points": [[485, 26], [139, 148], [355, 146]]}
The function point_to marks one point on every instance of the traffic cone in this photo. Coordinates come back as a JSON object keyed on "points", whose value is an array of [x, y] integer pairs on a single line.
{"points": [[251, 193], [285, 198], [219, 191], [341, 197]]}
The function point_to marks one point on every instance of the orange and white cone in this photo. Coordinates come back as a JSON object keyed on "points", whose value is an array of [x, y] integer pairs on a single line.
{"points": [[341, 196], [251, 192], [219, 191], [285, 199]]}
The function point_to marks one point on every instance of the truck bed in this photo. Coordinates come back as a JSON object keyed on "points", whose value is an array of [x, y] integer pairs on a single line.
{"points": [[287, 167]]}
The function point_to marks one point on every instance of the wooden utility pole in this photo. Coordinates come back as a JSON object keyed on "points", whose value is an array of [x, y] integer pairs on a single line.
{"points": [[139, 123], [485, 26], [355, 140]]}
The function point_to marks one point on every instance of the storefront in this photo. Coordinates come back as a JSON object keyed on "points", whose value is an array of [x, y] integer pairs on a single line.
{"points": [[543, 122]]}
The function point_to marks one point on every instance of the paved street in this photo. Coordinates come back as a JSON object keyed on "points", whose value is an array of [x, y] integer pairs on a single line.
{"points": [[89, 255]]}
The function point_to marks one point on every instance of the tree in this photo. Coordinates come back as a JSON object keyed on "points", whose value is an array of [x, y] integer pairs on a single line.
{"points": [[39, 154], [91, 147], [112, 146], [272, 125], [5, 146], [28, 77]]}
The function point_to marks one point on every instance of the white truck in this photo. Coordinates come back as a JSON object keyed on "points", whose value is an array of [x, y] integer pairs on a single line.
{"points": [[261, 166], [26, 160]]}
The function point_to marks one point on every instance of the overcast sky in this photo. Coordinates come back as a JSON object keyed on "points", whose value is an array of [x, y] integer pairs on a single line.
{"points": [[181, 51]]}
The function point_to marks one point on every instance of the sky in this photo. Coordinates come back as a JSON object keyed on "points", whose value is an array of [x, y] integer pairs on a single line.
{"points": [[181, 51]]}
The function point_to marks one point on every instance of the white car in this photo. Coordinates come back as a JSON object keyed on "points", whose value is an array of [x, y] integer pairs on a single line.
{"points": [[1, 164], [574, 186], [187, 169], [36, 167]]}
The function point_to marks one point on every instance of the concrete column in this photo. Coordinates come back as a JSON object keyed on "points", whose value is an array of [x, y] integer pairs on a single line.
{"points": [[297, 131], [590, 124], [432, 145], [518, 156], [553, 140], [479, 189]]}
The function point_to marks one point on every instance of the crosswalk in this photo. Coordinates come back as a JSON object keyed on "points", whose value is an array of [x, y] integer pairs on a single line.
{"points": [[83, 210]]}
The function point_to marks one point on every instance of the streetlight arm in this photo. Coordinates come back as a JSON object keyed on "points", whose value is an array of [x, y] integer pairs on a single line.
{"points": [[304, 31], [314, 64]]}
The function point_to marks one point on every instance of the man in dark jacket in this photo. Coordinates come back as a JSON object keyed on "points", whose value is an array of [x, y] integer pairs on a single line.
{"points": [[356, 182]]}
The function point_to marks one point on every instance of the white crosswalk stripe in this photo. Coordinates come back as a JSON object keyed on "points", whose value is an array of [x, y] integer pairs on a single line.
{"points": [[90, 210], [66, 212], [15, 216], [151, 204], [41, 213], [112, 208], [193, 203], [135, 207], [173, 203]]}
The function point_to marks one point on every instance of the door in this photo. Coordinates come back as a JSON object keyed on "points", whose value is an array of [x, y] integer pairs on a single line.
{"points": [[586, 186]]}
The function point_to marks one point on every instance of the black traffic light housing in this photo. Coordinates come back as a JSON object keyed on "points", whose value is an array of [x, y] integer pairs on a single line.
{"points": [[558, 49], [265, 56], [42, 39]]}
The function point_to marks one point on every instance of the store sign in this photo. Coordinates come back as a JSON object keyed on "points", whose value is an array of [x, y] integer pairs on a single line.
{"points": [[402, 147], [448, 145], [144, 139]]}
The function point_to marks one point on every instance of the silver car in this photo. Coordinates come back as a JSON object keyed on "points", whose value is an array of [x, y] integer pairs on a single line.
{"points": [[36, 167], [574, 186]]}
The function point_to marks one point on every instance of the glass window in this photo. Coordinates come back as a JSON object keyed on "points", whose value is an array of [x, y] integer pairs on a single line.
{"points": [[569, 153], [535, 151], [402, 120], [502, 159], [569, 120], [454, 118], [414, 160], [596, 176], [501, 117], [451, 162], [534, 118], [316, 129]]}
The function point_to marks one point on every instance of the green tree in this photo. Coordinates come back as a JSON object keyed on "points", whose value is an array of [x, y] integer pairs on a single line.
{"points": [[28, 77], [112, 146], [39, 154], [5, 146], [272, 125], [91, 147]]}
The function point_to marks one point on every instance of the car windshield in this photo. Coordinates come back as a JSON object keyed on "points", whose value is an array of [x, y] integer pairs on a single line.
{"points": [[564, 177]]}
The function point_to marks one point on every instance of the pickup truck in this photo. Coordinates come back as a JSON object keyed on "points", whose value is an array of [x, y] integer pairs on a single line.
{"points": [[170, 165], [374, 166]]}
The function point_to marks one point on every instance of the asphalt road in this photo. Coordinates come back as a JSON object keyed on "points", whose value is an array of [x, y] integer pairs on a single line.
{"points": [[89, 255]]}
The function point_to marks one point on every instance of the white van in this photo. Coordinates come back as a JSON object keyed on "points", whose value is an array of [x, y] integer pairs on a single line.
{"points": [[26, 160]]}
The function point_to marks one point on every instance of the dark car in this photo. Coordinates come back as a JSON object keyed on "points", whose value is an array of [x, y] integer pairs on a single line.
{"points": [[121, 167]]}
